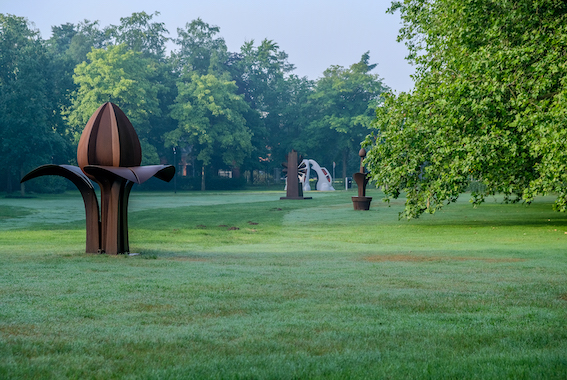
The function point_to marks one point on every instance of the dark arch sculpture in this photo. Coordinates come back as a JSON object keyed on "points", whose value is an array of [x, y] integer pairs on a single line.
{"points": [[109, 153]]}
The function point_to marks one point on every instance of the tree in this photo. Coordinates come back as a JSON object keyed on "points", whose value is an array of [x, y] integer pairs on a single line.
{"points": [[262, 68], [59, 47], [122, 76], [488, 104], [200, 49], [28, 121], [211, 121], [262, 74], [68, 46], [88, 36], [295, 113], [346, 100], [140, 34]]}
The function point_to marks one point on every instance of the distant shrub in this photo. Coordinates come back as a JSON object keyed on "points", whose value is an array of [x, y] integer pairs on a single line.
{"points": [[189, 183], [223, 183]]}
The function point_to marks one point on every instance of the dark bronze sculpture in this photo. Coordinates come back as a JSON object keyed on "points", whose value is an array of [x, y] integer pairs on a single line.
{"points": [[109, 153], [294, 188], [362, 202]]}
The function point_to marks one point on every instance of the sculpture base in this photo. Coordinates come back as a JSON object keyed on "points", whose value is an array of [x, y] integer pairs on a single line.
{"points": [[361, 203]]}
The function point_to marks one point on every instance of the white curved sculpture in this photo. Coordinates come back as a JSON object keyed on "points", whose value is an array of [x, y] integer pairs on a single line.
{"points": [[324, 182]]}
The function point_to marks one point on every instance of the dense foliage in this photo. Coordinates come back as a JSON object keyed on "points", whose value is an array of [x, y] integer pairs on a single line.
{"points": [[198, 104], [489, 104], [28, 124]]}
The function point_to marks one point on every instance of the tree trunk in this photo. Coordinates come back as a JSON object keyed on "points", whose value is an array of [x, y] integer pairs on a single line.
{"points": [[203, 178], [22, 185], [235, 170], [345, 156], [8, 180]]}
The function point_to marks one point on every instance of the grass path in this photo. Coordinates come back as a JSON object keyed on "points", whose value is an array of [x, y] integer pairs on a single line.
{"points": [[55, 209]]}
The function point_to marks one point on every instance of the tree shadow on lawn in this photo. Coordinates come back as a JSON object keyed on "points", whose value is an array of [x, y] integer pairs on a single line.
{"points": [[403, 257], [495, 215]]}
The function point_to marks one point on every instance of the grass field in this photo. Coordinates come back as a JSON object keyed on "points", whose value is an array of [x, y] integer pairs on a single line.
{"points": [[246, 286]]}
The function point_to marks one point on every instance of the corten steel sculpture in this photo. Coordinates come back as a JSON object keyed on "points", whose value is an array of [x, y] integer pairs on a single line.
{"points": [[362, 202], [294, 188], [109, 153]]}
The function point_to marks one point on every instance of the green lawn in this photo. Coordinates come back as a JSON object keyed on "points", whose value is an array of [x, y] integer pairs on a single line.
{"points": [[244, 285]]}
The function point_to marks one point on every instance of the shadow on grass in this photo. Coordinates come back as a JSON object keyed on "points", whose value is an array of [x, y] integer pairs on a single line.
{"points": [[495, 215], [555, 222], [422, 258]]}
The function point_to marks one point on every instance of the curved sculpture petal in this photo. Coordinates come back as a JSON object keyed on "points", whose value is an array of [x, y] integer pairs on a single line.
{"points": [[72, 173], [85, 186], [136, 174], [163, 172], [99, 172]]}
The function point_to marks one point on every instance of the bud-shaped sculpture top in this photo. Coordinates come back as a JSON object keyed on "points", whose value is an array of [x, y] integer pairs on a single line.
{"points": [[109, 139]]}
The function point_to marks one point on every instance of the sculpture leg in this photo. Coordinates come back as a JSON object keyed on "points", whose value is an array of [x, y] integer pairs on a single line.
{"points": [[92, 222], [123, 230], [112, 191]]}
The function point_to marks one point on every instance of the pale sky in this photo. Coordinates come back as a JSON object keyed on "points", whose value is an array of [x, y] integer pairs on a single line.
{"points": [[314, 33]]}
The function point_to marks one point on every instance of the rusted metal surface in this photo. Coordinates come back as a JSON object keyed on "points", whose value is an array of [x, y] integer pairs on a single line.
{"points": [[109, 139], [137, 174], [362, 202], [361, 180], [294, 188], [84, 185], [109, 153]]}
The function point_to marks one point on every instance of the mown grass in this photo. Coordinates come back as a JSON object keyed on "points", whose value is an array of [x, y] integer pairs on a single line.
{"points": [[244, 285]]}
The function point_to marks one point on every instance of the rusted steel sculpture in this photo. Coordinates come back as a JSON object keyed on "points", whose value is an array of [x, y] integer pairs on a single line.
{"points": [[294, 189], [109, 153], [362, 202]]}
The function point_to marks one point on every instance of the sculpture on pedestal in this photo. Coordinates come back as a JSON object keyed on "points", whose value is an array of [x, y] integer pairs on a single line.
{"points": [[362, 202], [109, 153]]}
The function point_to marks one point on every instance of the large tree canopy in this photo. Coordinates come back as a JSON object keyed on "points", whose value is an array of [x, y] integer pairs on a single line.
{"points": [[346, 101], [211, 121], [489, 104], [262, 74], [200, 49], [140, 34], [28, 123]]}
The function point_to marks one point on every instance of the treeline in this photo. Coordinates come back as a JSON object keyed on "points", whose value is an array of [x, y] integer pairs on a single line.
{"points": [[201, 107]]}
